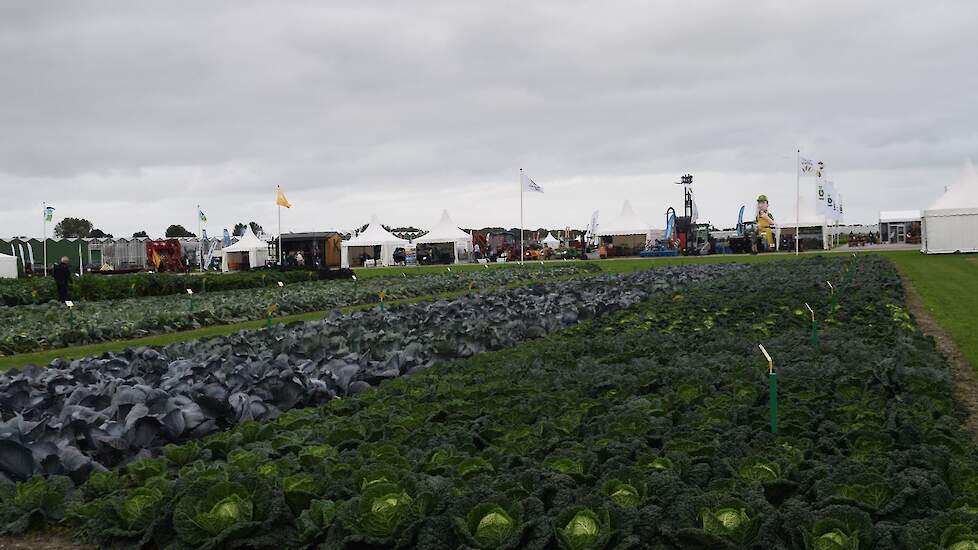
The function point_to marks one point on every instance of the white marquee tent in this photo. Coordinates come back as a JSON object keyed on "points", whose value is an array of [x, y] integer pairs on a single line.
{"points": [[445, 231], [249, 250], [550, 240], [8, 266], [951, 224], [374, 235], [809, 220], [627, 223]]}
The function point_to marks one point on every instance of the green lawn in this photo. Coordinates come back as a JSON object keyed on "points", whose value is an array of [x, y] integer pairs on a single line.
{"points": [[948, 286]]}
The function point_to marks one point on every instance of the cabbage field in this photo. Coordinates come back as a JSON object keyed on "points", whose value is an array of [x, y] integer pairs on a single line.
{"points": [[49, 325], [628, 418], [37, 290], [73, 418]]}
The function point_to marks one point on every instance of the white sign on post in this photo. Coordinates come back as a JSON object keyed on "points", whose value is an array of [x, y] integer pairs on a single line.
{"points": [[69, 303], [190, 291]]}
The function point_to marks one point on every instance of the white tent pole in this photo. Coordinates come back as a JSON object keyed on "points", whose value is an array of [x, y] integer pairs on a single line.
{"points": [[44, 239], [797, 198], [80, 272], [279, 207], [521, 215]]}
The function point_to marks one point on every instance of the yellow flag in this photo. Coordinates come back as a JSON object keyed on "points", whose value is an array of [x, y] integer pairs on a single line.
{"points": [[155, 259], [281, 200]]}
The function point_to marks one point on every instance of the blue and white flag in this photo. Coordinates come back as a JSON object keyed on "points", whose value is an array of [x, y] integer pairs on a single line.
{"points": [[48, 213], [227, 238]]}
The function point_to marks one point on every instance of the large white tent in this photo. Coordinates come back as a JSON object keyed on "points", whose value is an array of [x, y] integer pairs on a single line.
{"points": [[809, 220], [8, 266], [374, 235], [951, 224], [248, 252], [627, 223], [627, 233], [445, 231]]}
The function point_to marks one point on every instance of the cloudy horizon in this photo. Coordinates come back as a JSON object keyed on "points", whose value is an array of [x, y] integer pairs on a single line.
{"points": [[129, 114]]}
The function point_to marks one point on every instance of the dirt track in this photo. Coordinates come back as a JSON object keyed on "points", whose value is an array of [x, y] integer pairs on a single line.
{"points": [[962, 372]]}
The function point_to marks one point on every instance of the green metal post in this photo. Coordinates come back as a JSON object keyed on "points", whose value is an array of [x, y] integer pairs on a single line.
{"points": [[772, 380]]}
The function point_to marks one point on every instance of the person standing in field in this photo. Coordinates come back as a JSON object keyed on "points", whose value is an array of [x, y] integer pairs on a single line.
{"points": [[62, 278]]}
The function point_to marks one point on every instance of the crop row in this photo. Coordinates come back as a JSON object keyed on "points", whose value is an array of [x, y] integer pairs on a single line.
{"points": [[645, 429], [111, 409], [36, 290], [52, 325]]}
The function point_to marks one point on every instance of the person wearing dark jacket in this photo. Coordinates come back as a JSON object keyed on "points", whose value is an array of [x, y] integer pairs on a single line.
{"points": [[62, 278]]}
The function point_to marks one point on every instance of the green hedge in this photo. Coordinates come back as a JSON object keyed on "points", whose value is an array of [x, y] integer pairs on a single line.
{"points": [[34, 290]]}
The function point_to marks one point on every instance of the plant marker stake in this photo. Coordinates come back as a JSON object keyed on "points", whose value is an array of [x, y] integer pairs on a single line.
{"points": [[772, 390], [814, 326], [268, 316], [191, 303], [834, 297], [281, 284], [382, 294], [71, 313]]}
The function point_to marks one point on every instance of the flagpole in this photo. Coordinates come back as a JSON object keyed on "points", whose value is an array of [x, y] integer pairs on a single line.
{"points": [[279, 207], [200, 244], [797, 199], [521, 215], [44, 240]]}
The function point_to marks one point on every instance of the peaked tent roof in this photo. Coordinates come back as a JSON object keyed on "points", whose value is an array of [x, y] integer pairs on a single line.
{"points": [[627, 223], [550, 239], [374, 235], [445, 231], [248, 242], [962, 193]]}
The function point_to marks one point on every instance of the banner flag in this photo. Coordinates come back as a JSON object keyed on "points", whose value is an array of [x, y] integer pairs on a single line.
{"points": [[806, 167], [821, 196], [201, 215], [48, 213], [281, 200], [530, 185]]}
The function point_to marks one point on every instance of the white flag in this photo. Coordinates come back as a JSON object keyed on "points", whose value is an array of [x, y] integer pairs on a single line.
{"points": [[530, 185], [821, 198], [831, 206], [806, 167]]}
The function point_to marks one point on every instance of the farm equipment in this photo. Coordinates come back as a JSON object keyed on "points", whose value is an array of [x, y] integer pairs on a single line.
{"points": [[747, 240], [683, 234], [669, 244], [165, 255]]}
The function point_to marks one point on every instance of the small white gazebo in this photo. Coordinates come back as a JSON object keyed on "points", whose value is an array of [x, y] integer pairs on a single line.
{"points": [[445, 231], [551, 241], [8, 266], [248, 252], [375, 235]]}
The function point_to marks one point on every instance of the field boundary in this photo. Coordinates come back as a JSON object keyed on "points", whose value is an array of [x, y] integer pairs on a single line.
{"points": [[964, 380]]}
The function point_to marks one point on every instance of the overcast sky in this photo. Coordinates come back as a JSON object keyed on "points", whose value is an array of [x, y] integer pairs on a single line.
{"points": [[130, 113]]}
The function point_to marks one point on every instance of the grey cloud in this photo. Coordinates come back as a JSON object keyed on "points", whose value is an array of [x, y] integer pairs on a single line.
{"points": [[389, 106]]}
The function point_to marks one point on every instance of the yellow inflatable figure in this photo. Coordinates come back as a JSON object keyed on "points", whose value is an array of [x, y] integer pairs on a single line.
{"points": [[765, 223]]}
